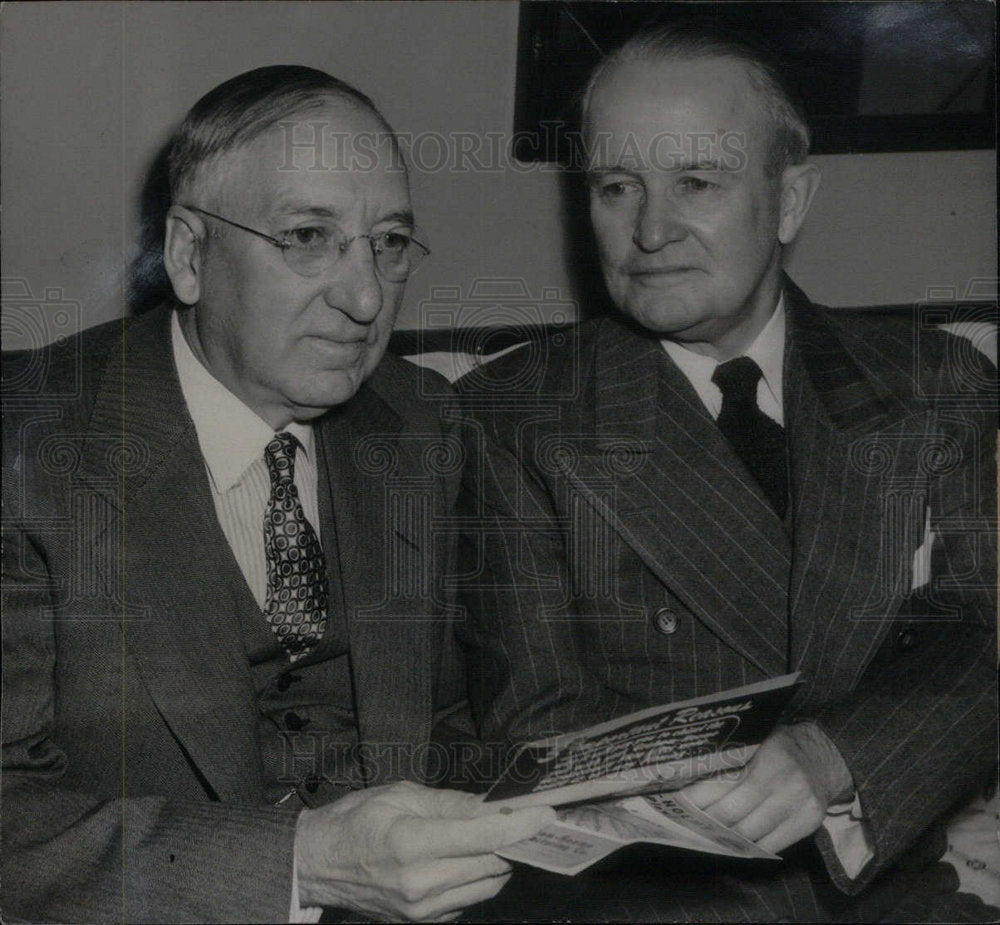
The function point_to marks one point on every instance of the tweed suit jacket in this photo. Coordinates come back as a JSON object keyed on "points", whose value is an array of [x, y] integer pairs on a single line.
{"points": [[618, 554], [132, 780]]}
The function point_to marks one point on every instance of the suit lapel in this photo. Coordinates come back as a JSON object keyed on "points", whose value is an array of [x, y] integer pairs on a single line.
{"points": [[364, 462], [846, 538], [683, 501], [180, 622]]}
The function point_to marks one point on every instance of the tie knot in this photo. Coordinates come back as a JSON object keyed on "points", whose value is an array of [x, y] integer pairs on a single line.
{"points": [[280, 456], [737, 379]]}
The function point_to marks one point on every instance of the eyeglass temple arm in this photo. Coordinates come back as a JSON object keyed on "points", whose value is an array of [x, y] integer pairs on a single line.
{"points": [[283, 245], [260, 234]]}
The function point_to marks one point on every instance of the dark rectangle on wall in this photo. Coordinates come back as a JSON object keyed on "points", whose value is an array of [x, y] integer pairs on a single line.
{"points": [[874, 76]]}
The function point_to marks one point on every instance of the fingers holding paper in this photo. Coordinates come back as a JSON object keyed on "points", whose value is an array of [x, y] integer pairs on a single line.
{"points": [[407, 852], [783, 793]]}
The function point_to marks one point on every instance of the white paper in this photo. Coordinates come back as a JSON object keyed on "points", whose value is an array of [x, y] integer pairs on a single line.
{"points": [[583, 835]]}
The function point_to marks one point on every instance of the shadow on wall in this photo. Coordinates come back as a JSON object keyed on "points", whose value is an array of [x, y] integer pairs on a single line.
{"points": [[148, 283], [580, 248]]}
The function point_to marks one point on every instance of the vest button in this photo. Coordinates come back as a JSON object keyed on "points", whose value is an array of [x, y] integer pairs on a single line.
{"points": [[295, 722], [666, 621], [286, 681], [906, 640], [312, 785]]}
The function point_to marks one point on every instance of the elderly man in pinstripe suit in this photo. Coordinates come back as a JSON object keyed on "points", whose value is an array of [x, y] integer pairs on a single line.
{"points": [[729, 483]]}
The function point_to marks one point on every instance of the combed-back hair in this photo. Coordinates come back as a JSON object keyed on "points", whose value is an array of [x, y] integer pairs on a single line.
{"points": [[232, 114], [235, 112], [693, 39]]}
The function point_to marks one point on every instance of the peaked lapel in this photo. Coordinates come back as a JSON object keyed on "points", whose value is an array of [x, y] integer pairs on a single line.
{"points": [[685, 503], [180, 620], [838, 422], [364, 458]]}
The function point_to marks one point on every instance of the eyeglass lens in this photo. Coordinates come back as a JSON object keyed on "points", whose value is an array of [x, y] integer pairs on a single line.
{"points": [[310, 251]]}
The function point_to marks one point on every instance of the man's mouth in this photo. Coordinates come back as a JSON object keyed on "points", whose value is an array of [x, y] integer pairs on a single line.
{"points": [[664, 270], [339, 344], [660, 272]]}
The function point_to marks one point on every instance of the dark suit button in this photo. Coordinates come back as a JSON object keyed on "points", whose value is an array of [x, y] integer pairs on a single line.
{"points": [[312, 785], [666, 621], [286, 681], [906, 640], [295, 722]]}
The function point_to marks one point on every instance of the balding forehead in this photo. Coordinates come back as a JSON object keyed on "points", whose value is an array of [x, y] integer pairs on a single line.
{"points": [[342, 137], [664, 75], [202, 143], [662, 94]]}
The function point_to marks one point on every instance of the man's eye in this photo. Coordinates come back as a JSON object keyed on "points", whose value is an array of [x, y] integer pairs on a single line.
{"points": [[394, 242], [309, 237], [696, 185], [617, 189]]}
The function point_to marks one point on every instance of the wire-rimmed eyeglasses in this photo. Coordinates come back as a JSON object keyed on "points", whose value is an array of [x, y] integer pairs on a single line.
{"points": [[312, 249]]}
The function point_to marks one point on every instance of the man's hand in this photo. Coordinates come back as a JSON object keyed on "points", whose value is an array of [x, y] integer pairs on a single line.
{"points": [[406, 851], [782, 795]]}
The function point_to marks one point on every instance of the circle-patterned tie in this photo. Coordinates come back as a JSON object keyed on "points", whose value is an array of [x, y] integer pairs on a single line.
{"points": [[296, 568]]}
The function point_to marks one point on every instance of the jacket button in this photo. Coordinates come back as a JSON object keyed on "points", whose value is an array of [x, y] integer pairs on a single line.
{"points": [[906, 640], [666, 621], [295, 722], [312, 785], [286, 681]]}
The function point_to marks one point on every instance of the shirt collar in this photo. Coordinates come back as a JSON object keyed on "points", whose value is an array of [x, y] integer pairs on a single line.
{"points": [[230, 435], [767, 351]]}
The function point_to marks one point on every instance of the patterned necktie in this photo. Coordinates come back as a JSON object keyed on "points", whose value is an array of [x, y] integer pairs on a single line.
{"points": [[296, 568], [758, 441]]}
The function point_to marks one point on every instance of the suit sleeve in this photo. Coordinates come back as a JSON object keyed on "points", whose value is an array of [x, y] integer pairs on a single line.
{"points": [[70, 856], [527, 675], [919, 730]]}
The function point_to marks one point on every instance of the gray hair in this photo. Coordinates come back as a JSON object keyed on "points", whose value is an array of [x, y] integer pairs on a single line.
{"points": [[790, 136]]}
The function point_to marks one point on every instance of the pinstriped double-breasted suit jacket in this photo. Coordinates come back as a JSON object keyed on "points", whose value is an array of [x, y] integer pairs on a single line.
{"points": [[618, 555], [133, 784]]}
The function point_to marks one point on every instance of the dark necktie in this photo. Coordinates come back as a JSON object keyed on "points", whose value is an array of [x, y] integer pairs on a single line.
{"points": [[758, 441], [296, 568]]}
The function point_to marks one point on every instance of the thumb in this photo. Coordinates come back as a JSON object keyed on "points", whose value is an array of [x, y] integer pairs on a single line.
{"points": [[513, 826]]}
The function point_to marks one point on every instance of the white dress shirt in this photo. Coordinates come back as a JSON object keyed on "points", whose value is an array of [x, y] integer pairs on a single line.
{"points": [[767, 351], [232, 440]]}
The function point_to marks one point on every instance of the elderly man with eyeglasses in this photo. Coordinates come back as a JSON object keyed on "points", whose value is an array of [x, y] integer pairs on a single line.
{"points": [[224, 638]]}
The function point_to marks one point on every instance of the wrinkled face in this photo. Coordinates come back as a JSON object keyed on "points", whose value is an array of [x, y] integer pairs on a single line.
{"points": [[291, 346], [685, 217]]}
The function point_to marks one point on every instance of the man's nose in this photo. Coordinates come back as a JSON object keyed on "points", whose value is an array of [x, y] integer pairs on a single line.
{"points": [[657, 225], [355, 288]]}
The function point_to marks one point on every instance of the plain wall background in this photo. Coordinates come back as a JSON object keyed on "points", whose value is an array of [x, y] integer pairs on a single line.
{"points": [[90, 91]]}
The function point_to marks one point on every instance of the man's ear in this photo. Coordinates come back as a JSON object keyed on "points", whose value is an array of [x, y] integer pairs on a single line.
{"points": [[182, 253], [799, 183]]}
